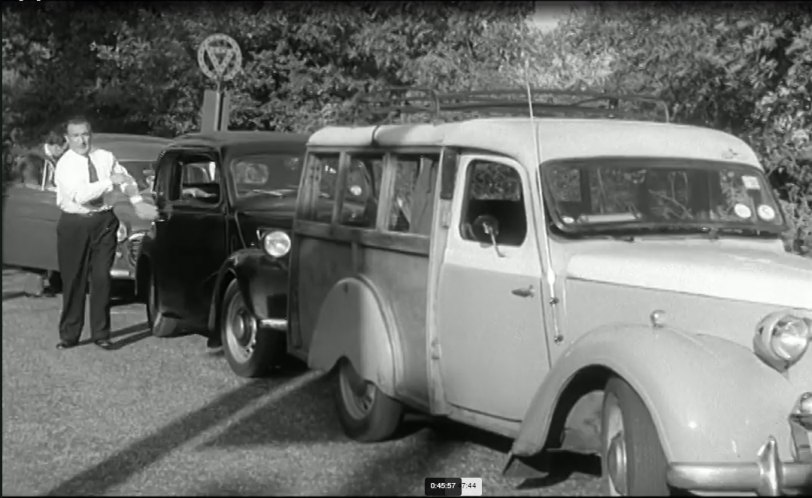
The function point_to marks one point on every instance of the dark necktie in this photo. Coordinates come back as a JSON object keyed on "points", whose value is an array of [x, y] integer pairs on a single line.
{"points": [[93, 178]]}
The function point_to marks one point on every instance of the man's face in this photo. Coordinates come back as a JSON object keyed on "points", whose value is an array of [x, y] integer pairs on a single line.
{"points": [[79, 138]]}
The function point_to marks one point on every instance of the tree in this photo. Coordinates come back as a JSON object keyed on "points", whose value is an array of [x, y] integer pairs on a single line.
{"points": [[742, 68]]}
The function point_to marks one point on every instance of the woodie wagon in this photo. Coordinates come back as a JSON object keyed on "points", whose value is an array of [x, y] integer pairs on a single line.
{"points": [[606, 283]]}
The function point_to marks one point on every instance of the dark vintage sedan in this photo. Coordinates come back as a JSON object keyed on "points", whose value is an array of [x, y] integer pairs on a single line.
{"points": [[30, 212], [205, 263]]}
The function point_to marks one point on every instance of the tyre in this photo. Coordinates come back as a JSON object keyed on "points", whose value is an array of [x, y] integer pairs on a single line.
{"points": [[161, 325], [249, 350], [632, 458], [365, 412]]}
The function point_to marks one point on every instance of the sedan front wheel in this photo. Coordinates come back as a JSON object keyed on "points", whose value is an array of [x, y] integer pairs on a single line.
{"points": [[250, 351]]}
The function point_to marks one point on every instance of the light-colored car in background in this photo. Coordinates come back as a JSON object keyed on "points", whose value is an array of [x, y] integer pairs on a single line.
{"points": [[616, 287], [30, 213]]}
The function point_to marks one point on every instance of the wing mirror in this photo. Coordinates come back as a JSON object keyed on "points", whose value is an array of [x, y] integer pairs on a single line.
{"points": [[486, 229]]}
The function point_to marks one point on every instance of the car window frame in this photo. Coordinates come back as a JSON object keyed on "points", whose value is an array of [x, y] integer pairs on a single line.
{"points": [[173, 179], [524, 191]]}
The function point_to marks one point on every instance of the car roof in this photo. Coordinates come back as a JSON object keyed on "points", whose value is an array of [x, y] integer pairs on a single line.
{"points": [[239, 138], [558, 138], [129, 147]]}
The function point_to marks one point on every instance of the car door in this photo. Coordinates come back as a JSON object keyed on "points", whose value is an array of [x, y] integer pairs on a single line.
{"points": [[489, 298], [190, 233], [30, 215]]}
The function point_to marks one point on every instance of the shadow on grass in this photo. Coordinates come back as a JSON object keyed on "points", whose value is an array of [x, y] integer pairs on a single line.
{"points": [[133, 333], [118, 468], [7, 296], [560, 466]]}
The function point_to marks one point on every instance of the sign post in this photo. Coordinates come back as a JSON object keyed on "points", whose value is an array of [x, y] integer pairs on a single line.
{"points": [[220, 59]]}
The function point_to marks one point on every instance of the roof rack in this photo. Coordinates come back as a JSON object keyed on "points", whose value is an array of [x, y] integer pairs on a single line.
{"points": [[401, 101]]}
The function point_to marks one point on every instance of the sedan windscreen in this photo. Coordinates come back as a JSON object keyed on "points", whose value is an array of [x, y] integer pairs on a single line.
{"points": [[270, 175], [141, 171]]}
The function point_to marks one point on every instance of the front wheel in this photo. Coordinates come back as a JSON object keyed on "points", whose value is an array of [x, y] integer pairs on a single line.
{"points": [[632, 457], [365, 412], [249, 350]]}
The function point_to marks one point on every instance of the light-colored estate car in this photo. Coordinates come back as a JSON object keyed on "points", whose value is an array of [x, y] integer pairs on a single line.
{"points": [[593, 284]]}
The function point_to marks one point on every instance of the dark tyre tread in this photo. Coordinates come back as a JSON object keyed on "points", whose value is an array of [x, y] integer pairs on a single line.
{"points": [[268, 349], [645, 458], [382, 421]]}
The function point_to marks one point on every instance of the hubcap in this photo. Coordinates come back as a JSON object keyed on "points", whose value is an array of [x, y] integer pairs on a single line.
{"points": [[241, 330], [615, 444], [357, 393]]}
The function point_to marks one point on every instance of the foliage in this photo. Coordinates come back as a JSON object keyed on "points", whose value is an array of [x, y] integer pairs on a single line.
{"points": [[739, 67]]}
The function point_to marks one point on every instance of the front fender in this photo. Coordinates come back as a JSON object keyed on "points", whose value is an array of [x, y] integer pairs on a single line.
{"points": [[263, 282], [710, 399], [353, 323]]}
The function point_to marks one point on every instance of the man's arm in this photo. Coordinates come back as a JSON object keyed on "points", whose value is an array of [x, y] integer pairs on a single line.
{"points": [[129, 186], [75, 189]]}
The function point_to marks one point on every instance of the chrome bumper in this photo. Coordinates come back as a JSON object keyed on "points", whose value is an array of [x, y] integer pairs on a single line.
{"points": [[280, 324], [767, 476], [120, 273]]}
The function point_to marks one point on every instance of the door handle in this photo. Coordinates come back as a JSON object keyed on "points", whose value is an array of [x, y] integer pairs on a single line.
{"points": [[524, 292]]}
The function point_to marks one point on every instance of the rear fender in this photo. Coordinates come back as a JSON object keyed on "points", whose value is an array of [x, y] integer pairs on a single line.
{"points": [[692, 386], [262, 280], [353, 323]]}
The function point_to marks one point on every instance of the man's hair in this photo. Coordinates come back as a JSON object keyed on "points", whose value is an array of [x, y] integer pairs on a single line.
{"points": [[55, 138], [77, 120]]}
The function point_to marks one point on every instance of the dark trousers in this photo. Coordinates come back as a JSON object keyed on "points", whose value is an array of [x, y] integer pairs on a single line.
{"points": [[86, 248]]}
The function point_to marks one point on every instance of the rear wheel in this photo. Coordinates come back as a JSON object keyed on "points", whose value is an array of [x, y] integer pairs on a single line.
{"points": [[633, 459], [250, 351], [161, 325], [365, 412]]}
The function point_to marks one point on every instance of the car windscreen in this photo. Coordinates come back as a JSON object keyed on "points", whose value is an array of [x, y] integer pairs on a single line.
{"points": [[141, 171], [267, 175], [656, 194]]}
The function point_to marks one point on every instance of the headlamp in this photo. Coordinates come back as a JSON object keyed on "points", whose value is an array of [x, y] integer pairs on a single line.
{"points": [[783, 337], [276, 243]]}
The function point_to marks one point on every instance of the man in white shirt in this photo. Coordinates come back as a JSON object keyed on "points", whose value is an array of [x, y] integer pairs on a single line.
{"points": [[86, 232]]}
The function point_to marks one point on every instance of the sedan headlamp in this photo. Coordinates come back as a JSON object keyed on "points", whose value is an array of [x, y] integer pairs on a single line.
{"points": [[783, 337], [276, 243], [122, 233]]}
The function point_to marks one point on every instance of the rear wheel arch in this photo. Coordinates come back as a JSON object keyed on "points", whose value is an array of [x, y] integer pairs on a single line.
{"points": [[330, 342]]}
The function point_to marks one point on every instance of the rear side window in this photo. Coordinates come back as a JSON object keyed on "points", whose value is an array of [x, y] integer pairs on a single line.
{"points": [[362, 191], [412, 203], [322, 171]]}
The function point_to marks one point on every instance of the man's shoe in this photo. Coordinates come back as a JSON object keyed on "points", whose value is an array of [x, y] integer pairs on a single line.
{"points": [[66, 345], [104, 344]]}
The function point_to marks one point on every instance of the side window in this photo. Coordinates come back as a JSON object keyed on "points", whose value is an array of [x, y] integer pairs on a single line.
{"points": [[33, 172], [196, 180], [362, 191], [322, 173], [413, 202], [493, 194]]}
